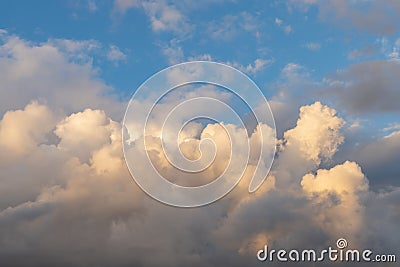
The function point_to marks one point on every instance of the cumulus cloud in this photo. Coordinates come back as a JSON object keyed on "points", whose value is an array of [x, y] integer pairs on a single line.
{"points": [[86, 209], [345, 180], [19, 131], [48, 72], [319, 206], [336, 194], [67, 198], [316, 133], [76, 132]]}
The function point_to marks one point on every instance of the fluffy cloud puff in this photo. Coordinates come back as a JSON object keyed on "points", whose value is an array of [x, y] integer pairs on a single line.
{"points": [[316, 133], [336, 195], [50, 73], [19, 131]]}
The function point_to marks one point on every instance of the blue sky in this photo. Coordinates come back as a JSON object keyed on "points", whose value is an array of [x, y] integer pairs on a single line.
{"points": [[330, 70], [239, 32], [275, 33]]}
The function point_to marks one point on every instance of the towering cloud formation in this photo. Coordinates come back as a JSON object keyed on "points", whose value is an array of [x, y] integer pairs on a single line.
{"points": [[75, 195], [316, 134]]}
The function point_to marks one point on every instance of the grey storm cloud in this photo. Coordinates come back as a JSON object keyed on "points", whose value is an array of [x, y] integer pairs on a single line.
{"points": [[367, 87]]}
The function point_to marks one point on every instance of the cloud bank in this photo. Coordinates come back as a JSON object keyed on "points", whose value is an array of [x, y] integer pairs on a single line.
{"points": [[67, 198]]}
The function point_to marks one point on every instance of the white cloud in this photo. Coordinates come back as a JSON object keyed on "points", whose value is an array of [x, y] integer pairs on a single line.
{"points": [[205, 57], [163, 15], [251, 69], [340, 188], [122, 6], [115, 54], [313, 46], [78, 51], [76, 133], [19, 131], [286, 27], [72, 46], [58, 72], [92, 6], [278, 21], [392, 127], [389, 49], [317, 132], [230, 26], [345, 180], [295, 74], [95, 202], [174, 52]]}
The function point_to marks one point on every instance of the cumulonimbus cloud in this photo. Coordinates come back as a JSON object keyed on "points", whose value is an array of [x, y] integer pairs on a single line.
{"points": [[89, 200]]}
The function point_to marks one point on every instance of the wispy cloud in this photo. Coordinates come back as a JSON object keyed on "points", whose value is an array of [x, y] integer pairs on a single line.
{"points": [[115, 54], [257, 66], [312, 46], [287, 28], [163, 15]]}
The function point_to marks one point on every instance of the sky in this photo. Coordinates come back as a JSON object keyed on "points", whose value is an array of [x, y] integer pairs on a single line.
{"points": [[329, 70]]}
